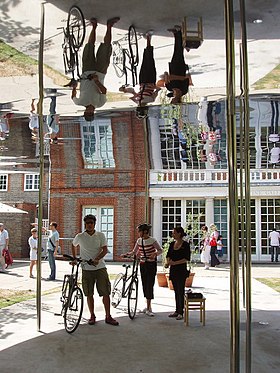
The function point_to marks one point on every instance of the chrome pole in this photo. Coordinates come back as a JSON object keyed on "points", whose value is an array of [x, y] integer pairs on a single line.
{"points": [[247, 185], [241, 179], [41, 156], [147, 210], [232, 191]]}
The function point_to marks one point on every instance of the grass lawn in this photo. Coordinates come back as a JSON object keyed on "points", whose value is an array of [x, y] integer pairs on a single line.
{"points": [[16, 63], [273, 283]]}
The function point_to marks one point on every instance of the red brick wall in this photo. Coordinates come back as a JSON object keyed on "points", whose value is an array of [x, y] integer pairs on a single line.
{"points": [[123, 187]]}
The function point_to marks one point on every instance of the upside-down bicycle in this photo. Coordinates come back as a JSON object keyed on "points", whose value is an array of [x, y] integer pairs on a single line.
{"points": [[72, 296], [126, 285], [126, 59], [74, 35]]}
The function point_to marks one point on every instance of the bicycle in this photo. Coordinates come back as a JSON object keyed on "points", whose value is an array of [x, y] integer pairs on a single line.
{"points": [[126, 59], [72, 297], [127, 286], [74, 35]]}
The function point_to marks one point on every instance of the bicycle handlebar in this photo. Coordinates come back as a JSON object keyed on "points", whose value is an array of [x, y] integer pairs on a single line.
{"points": [[79, 260]]}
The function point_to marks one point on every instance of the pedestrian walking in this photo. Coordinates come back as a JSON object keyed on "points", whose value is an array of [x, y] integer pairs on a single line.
{"points": [[274, 238], [33, 245], [205, 247], [4, 244], [52, 247]]}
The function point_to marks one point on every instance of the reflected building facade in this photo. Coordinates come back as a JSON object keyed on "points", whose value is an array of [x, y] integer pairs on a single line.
{"points": [[100, 167]]}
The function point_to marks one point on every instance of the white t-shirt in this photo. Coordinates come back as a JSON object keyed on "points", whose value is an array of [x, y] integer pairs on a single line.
{"points": [[90, 247], [274, 155], [33, 244], [274, 237], [89, 92], [4, 235]]}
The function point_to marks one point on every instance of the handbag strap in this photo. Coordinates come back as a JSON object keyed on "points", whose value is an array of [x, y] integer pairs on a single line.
{"points": [[143, 247]]}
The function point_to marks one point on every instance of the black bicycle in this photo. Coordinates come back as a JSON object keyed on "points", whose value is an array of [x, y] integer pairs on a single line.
{"points": [[74, 35], [126, 59], [126, 285], [72, 296]]}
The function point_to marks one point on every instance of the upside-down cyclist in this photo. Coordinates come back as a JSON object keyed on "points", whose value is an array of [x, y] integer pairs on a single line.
{"points": [[148, 249], [94, 69], [93, 246]]}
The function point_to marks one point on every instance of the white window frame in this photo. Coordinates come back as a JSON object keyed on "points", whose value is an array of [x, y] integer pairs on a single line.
{"points": [[90, 133], [33, 182], [4, 176]]}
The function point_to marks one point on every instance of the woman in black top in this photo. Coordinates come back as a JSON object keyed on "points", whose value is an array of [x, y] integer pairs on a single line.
{"points": [[177, 256]]}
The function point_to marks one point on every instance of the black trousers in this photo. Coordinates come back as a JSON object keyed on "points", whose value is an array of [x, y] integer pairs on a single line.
{"points": [[214, 259], [148, 272], [178, 279], [274, 250], [148, 72]]}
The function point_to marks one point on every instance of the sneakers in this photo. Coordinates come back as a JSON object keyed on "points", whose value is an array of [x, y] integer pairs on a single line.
{"points": [[31, 276], [92, 320], [174, 314], [150, 313], [179, 317], [111, 321], [144, 310]]}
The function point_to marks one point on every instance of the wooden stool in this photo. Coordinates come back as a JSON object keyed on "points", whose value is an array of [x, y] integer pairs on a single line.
{"points": [[194, 304]]}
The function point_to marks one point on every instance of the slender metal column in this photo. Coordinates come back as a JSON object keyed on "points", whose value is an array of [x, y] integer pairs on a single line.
{"points": [[41, 141], [147, 168], [245, 80], [233, 192]]}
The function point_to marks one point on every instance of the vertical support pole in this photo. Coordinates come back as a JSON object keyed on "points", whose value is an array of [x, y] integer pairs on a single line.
{"points": [[41, 142], [245, 80], [233, 192], [147, 168]]}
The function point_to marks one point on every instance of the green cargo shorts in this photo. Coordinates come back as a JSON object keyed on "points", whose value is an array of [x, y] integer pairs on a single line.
{"points": [[100, 277], [100, 62]]}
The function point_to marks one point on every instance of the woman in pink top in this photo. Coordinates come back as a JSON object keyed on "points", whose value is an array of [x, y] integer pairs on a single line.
{"points": [[147, 249]]}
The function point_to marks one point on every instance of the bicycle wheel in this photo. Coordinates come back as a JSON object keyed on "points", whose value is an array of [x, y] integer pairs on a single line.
{"points": [[118, 61], [76, 27], [73, 310], [68, 59], [117, 290], [132, 298], [133, 46]]}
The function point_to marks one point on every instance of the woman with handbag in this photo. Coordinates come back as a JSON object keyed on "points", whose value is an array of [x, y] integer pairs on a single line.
{"points": [[177, 256], [213, 243], [147, 248]]}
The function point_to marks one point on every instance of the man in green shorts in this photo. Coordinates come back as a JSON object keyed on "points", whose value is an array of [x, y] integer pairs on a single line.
{"points": [[94, 69], [93, 246]]}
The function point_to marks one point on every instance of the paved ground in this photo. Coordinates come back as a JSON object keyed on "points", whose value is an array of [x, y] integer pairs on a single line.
{"points": [[156, 344]]}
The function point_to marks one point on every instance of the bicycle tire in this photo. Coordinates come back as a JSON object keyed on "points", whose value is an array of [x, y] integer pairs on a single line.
{"points": [[73, 310], [133, 46], [117, 290], [68, 59], [65, 293], [118, 62], [132, 298], [76, 27]]}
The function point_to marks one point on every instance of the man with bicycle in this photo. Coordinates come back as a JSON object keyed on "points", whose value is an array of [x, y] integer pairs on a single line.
{"points": [[93, 246], [94, 69]]}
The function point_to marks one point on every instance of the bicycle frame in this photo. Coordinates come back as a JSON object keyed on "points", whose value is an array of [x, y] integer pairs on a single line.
{"points": [[128, 279]]}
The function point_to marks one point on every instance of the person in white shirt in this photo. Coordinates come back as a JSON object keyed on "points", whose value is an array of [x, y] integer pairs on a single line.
{"points": [[33, 244], [94, 69], [4, 243], [93, 246], [274, 238]]}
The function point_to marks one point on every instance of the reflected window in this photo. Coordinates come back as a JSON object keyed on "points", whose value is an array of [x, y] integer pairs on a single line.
{"points": [[270, 212], [31, 182], [97, 144], [4, 182]]}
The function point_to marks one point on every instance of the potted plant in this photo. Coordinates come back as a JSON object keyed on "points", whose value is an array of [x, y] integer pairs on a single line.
{"points": [[162, 275]]}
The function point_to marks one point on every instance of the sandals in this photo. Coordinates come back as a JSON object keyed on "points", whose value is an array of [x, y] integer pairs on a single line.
{"points": [[111, 321], [92, 320], [174, 314], [112, 21]]}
